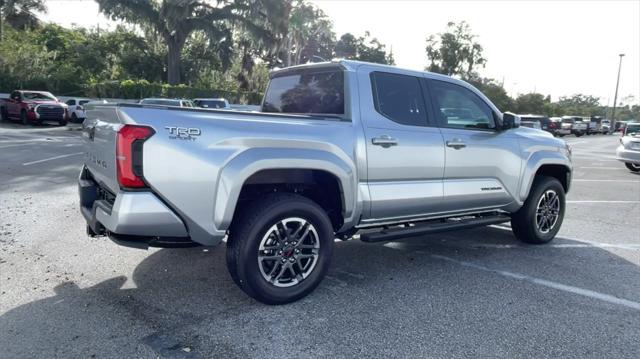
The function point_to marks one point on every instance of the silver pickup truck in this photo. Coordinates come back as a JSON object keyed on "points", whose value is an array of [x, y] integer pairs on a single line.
{"points": [[340, 149]]}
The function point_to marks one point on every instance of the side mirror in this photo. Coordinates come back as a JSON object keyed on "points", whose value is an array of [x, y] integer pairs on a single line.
{"points": [[509, 121]]}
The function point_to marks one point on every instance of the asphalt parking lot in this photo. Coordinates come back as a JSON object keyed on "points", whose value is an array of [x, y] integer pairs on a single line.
{"points": [[473, 293]]}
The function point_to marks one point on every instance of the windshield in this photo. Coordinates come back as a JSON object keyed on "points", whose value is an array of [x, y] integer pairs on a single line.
{"points": [[632, 129], [210, 103], [320, 92], [38, 96]]}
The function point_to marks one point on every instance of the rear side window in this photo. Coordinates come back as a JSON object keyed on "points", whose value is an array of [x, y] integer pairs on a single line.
{"points": [[71, 102], [310, 92], [82, 102], [461, 108], [399, 98]]}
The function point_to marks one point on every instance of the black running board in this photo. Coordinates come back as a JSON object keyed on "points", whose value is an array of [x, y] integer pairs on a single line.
{"points": [[422, 228]]}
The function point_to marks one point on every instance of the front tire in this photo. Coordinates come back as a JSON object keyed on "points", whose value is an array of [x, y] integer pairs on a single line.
{"points": [[280, 248], [540, 218], [632, 167], [23, 118], [4, 116]]}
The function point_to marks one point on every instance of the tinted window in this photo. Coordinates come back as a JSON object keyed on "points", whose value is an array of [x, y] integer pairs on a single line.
{"points": [[71, 102], [306, 92], [82, 102], [210, 103], [399, 98], [459, 107]]}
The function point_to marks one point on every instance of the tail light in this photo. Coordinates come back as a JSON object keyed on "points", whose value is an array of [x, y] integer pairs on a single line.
{"points": [[129, 143]]}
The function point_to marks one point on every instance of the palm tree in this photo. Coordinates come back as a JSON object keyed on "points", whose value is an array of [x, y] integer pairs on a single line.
{"points": [[20, 13], [175, 20]]}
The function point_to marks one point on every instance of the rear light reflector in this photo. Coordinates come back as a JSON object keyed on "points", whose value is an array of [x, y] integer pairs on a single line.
{"points": [[129, 143]]}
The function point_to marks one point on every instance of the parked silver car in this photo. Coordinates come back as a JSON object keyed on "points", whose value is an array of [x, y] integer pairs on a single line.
{"points": [[629, 149], [340, 148]]}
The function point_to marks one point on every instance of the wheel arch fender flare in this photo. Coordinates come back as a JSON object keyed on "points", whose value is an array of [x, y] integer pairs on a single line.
{"points": [[235, 173], [535, 162]]}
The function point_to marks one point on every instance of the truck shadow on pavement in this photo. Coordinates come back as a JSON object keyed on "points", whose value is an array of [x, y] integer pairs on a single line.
{"points": [[393, 300]]}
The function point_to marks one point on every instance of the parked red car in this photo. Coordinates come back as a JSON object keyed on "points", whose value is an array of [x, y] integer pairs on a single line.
{"points": [[33, 107]]}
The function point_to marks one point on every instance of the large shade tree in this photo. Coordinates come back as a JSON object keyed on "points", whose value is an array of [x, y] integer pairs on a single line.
{"points": [[455, 51], [176, 20], [20, 13]]}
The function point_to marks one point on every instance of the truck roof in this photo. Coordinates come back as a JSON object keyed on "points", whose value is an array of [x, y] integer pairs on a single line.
{"points": [[352, 65]]}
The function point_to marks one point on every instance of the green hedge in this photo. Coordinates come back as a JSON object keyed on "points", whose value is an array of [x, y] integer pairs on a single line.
{"points": [[138, 89]]}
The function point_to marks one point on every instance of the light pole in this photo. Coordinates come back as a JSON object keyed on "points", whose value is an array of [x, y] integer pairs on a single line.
{"points": [[615, 97]]}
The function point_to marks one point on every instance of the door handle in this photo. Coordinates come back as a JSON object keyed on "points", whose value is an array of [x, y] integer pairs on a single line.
{"points": [[385, 141], [456, 143]]}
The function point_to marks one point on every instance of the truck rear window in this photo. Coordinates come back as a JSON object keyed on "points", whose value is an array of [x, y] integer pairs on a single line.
{"points": [[318, 92]]}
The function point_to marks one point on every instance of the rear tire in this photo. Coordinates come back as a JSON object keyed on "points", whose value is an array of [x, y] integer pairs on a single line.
{"points": [[632, 167], [540, 218], [579, 134], [269, 259]]}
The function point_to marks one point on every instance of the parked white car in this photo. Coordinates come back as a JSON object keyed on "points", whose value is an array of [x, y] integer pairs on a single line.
{"points": [[76, 109]]}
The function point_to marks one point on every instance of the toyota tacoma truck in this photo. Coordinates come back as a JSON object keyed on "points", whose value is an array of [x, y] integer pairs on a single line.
{"points": [[340, 150], [33, 107]]}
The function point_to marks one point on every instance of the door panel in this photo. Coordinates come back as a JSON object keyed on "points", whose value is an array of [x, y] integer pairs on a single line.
{"points": [[482, 174], [405, 162], [405, 179], [482, 164]]}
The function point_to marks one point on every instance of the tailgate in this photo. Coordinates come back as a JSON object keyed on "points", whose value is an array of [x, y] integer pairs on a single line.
{"points": [[99, 133]]}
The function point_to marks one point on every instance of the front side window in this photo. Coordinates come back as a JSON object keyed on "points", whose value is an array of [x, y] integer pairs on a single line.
{"points": [[399, 98], [71, 102], [309, 92], [459, 107]]}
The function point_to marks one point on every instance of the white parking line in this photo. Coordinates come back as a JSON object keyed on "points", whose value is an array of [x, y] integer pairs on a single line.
{"points": [[505, 227], [601, 168], [546, 283], [51, 158], [627, 246], [622, 202], [603, 180]]}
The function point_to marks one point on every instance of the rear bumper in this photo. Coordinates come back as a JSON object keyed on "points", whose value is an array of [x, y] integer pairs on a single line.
{"points": [[137, 219], [626, 155]]}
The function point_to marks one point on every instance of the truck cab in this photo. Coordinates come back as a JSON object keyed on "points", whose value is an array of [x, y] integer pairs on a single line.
{"points": [[339, 149]]}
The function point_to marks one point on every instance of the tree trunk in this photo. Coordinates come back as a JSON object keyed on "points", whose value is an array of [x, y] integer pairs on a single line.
{"points": [[173, 61], [1, 23]]}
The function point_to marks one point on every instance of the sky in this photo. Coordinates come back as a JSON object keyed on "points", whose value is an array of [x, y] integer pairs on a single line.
{"points": [[557, 48]]}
